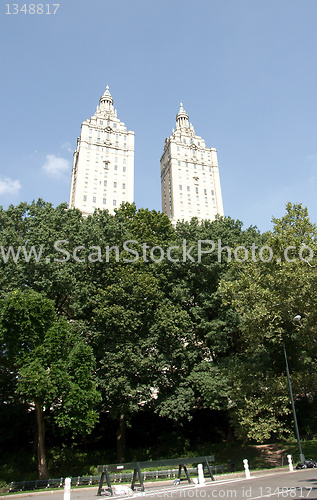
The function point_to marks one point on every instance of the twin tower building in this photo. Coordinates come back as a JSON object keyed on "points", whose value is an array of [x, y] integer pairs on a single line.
{"points": [[103, 168]]}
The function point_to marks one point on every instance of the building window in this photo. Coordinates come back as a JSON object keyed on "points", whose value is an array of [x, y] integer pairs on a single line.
{"points": [[205, 191], [85, 198], [188, 188], [116, 160], [124, 161], [123, 186], [101, 122], [104, 201], [114, 184], [94, 199], [114, 203], [124, 169], [116, 167], [180, 187], [196, 190], [104, 183]]}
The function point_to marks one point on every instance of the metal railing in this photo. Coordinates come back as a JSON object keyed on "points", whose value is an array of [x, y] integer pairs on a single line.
{"points": [[121, 477]]}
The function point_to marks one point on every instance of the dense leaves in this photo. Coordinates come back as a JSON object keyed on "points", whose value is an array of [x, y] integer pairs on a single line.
{"points": [[168, 320], [268, 294], [51, 364]]}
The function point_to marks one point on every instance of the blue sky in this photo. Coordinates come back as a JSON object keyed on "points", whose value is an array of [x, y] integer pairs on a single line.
{"points": [[245, 70]]}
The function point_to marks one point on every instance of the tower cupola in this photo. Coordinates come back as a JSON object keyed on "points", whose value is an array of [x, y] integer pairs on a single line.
{"points": [[106, 101], [182, 118]]}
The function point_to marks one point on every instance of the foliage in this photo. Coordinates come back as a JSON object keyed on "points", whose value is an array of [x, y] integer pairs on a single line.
{"points": [[268, 295], [189, 332], [52, 365]]}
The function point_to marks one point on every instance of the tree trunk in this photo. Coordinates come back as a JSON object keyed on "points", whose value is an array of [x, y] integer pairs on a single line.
{"points": [[41, 457], [121, 439]]}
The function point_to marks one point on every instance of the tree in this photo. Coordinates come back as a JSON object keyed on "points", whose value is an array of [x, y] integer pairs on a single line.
{"points": [[123, 314], [52, 365], [268, 292]]}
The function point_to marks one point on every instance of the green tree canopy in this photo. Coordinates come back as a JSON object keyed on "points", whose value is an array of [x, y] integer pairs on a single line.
{"points": [[268, 293], [52, 364]]}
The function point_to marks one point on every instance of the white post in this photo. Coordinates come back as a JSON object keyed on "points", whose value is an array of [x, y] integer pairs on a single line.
{"points": [[201, 477], [246, 467], [67, 488], [290, 463]]}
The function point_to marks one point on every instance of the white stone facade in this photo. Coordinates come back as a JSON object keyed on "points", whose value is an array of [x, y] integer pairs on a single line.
{"points": [[103, 166], [190, 179]]}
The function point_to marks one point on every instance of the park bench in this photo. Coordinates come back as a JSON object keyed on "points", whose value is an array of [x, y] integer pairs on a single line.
{"points": [[137, 466]]}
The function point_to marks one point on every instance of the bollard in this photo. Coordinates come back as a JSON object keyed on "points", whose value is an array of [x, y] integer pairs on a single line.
{"points": [[67, 488], [201, 477], [246, 467], [290, 463]]}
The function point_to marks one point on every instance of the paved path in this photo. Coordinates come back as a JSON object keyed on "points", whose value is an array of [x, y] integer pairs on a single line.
{"points": [[295, 485]]}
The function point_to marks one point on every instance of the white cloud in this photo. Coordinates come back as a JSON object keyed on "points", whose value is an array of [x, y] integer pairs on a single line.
{"points": [[8, 186], [67, 145], [55, 166], [312, 158]]}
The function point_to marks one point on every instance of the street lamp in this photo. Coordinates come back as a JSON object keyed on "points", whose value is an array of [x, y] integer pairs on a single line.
{"points": [[301, 455]]}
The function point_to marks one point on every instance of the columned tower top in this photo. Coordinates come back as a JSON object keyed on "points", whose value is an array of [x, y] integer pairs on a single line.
{"points": [[106, 101], [182, 118]]}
